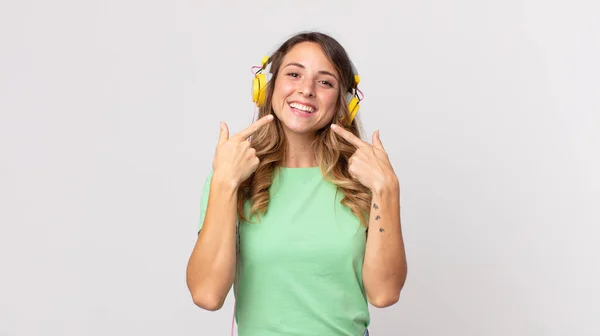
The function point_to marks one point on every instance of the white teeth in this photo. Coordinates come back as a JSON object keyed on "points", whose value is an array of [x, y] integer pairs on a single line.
{"points": [[302, 107]]}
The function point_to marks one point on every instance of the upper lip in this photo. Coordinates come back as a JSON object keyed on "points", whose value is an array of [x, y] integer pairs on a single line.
{"points": [[303, 103]]}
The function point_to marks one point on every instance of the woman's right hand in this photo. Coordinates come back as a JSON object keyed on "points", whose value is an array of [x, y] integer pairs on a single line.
{"points": [[235, 160]]}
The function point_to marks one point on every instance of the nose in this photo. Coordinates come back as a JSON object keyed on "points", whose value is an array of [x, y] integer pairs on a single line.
{"points": [[306, 88]]}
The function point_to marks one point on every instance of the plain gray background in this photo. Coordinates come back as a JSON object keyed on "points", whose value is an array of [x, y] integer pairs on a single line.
{"points": [[110, 113]]}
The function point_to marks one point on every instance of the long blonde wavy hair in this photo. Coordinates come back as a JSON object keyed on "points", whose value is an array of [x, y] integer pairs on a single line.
{"points": [[332, 152]]}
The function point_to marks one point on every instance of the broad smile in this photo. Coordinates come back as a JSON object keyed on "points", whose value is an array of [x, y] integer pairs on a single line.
{"points": [[302, 109]]}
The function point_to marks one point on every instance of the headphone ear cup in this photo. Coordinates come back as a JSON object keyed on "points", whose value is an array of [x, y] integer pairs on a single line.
{"points": [[353, 108], [259, 92], [353, 103], [255, 89]]}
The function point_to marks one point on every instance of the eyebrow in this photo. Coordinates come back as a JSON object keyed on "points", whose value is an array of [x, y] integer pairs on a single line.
{"points": [[324, 72]]}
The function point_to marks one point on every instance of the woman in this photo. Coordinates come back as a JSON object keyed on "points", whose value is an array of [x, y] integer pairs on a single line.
{"points": [[317, 207]]}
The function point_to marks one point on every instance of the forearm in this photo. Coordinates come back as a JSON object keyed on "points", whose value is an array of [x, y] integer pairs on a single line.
{"points": [[384, 267], [211, 268]]}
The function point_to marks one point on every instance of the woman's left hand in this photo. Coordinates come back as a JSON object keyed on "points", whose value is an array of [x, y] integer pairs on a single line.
{"points": [[370, 164]]}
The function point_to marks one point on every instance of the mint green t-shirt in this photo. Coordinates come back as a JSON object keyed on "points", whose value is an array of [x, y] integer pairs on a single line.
{"points": [[301, 265]]}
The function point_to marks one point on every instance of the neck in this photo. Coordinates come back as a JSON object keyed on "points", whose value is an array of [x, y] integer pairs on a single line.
{"points": [[300, 153]]}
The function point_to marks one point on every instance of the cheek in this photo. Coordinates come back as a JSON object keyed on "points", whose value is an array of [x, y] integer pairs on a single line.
{"points": [[329, 100], [280, 92], [283, 87]]}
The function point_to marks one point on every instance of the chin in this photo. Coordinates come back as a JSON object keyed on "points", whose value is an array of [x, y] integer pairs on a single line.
{"points": [[298, 128]]}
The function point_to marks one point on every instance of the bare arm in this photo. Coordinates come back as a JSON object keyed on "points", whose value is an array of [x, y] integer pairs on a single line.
{"points": [[384, 267], [211, 267]]}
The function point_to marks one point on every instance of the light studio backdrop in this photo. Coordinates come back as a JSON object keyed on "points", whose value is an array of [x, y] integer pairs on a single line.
{"points": [[109, 115]]}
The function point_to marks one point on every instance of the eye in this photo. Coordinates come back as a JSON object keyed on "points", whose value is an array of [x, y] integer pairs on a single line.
{"points": [[293, 74], [327, 83]]}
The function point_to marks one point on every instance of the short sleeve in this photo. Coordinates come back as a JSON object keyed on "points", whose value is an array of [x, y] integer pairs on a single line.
{"points": [[204, 200]]}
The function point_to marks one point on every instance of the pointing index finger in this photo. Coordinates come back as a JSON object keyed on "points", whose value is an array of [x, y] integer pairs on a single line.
{"points": [[255, 126], [351, 138]]}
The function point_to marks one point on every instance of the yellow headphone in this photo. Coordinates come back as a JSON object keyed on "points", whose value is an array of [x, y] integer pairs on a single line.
{"points": [[259, 91]]}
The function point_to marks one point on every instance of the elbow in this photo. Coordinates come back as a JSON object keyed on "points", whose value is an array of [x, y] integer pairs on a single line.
{"points": [[204, 300], [388, 294], [206, 293], [383, 295], [203, 294], [383, 301]]}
